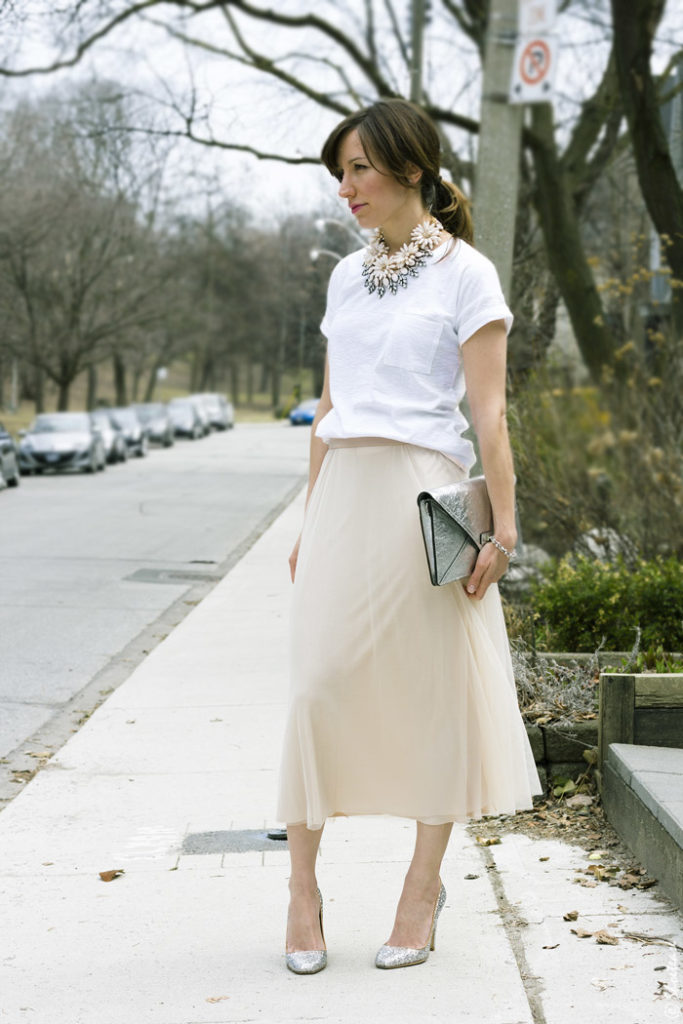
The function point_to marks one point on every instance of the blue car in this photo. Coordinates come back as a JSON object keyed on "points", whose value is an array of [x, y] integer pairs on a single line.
{"points": [[304, 414]]}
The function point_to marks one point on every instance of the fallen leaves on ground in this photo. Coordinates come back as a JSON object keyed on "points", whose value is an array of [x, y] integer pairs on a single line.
{"points": [[652, 940], [571, 915], [488, 840], [109, 876], [216, 999], [602, 936], [579, 800]]}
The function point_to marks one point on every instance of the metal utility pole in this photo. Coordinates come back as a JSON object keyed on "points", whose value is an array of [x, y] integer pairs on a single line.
{"points": [[497, 175], [417, 23]]}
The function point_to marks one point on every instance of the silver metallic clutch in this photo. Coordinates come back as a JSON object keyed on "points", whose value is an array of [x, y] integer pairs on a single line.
{"points": [[456, 521]]}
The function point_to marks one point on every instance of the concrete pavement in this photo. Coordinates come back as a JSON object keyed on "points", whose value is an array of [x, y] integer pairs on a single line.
{"points": [[173, 780]]}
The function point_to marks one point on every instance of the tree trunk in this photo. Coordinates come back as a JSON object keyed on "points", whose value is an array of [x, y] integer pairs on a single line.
{"points": [[39, 389], [63, 396], [137, 376], [566, 256], [120, 380], [91, 399], [197, 369], [250, 380], [634, 24], [151, 382], [235, 382]]}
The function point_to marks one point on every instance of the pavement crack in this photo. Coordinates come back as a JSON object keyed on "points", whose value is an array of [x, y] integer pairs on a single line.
{"points": [[513, 922]]}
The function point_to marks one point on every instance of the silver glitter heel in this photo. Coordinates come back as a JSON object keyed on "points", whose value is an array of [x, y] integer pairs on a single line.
{"points": [[389, 957], [309, 961]]}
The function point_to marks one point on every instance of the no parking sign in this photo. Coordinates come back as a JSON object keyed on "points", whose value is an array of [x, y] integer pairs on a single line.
{"points": [[536, 53]]}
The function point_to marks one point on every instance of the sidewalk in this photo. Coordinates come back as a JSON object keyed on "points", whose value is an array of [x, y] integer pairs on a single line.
{"points": [[181, 759]]}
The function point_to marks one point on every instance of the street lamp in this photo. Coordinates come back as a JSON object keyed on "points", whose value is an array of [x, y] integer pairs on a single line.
{"points": [[316, 253]]}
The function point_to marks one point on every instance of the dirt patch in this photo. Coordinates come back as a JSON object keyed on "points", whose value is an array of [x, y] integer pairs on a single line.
{"points": [[579, 823]]}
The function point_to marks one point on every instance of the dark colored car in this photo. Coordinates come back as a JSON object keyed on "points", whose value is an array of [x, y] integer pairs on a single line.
{"points": [[115, 447], [186, 418], [304, 413], [62, 440], [156, 421], [219, 410], [9, 463], [133, 430]]}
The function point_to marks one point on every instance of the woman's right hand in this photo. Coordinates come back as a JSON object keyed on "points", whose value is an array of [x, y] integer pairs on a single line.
{"points": [[294, 557]]}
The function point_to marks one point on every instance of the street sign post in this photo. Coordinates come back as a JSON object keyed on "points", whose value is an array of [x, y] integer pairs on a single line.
{"points": [[536, 52]]}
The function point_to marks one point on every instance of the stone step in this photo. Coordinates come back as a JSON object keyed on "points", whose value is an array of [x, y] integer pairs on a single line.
{"points": [[642, 792]]}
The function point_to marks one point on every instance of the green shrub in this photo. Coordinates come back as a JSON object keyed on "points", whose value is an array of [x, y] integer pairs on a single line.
{"points": [[582, 604]]}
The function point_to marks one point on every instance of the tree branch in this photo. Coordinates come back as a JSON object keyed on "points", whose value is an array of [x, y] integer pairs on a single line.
{"points": [[635, 23], [589, 125], [396, 28], [363, 62]]}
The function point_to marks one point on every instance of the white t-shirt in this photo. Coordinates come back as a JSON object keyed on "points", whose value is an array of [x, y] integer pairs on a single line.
{"points": [[395, 363]]}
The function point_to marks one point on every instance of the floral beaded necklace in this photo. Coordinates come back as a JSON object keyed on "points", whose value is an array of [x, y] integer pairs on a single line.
{"points": [[383, 271]]}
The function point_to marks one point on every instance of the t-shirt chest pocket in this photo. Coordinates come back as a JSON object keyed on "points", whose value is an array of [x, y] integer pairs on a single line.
{"points": [[412, 342]]}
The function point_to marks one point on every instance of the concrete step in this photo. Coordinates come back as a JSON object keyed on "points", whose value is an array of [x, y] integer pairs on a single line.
{"points": [[642, 791]]}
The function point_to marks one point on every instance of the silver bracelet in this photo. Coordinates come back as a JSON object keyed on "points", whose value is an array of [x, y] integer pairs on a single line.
{"points": [[496, 543]]}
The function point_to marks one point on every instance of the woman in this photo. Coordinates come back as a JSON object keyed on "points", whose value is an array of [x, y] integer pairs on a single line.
{"points": [[402, 698]]}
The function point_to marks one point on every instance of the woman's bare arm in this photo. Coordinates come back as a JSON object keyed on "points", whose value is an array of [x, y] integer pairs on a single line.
{"points": [[484, 359]]}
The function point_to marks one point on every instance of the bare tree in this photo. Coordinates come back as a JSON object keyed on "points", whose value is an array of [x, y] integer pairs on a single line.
{"points": [[345, 55], [77, 260]]}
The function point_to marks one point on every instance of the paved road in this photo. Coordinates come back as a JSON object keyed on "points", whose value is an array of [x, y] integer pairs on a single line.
{"points": [[88, 564]]}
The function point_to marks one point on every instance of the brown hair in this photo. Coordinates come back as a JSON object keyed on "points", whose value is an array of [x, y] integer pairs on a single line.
{"points": [[398, 135]]}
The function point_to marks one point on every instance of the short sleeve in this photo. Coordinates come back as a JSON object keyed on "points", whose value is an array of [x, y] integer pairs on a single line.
{"points": [[480, 299], [332, 300]]}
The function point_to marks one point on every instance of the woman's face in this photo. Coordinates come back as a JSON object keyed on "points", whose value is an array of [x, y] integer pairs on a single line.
{"points": [[375, 199]]}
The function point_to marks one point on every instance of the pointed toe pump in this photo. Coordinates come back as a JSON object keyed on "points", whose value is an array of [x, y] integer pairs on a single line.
{"points": [[309, 961], [389, 957]]}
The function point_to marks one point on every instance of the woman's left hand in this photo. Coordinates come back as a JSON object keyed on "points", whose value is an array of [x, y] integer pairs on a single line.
{"points": [[491, 564]]}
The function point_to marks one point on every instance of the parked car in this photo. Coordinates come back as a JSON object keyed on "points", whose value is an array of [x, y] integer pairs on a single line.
{"points": [[133, 430], [219, 410], [115, 447], [9, 463], [156, 421], [186, 418], [304, 413], [62, 440], [202, 412]]}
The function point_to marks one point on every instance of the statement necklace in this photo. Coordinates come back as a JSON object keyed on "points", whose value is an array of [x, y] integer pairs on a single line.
{"points": [[382, 271]]}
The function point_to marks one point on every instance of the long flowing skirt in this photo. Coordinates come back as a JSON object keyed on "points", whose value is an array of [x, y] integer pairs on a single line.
{"points": [[402, 695]]}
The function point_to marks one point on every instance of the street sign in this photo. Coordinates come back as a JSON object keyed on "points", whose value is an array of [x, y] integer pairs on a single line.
{"points": [[536, 17], [533, 70]]}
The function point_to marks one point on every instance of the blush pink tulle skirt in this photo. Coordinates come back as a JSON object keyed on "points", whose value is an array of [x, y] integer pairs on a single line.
{"points": [[402, 695]]}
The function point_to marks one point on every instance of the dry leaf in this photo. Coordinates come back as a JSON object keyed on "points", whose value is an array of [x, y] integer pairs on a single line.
{"points": [[587, 883], [581, 933], [488, 840], [597, 854], [579, 800], [216, 999], [470, 878], [605, 939], [622, 908], [40, 753], [109, 876], [551, 947], [544, 858], [571, 915]]}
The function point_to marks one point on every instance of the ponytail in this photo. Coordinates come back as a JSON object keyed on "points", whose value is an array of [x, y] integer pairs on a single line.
{"points": [[450, 206]]}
